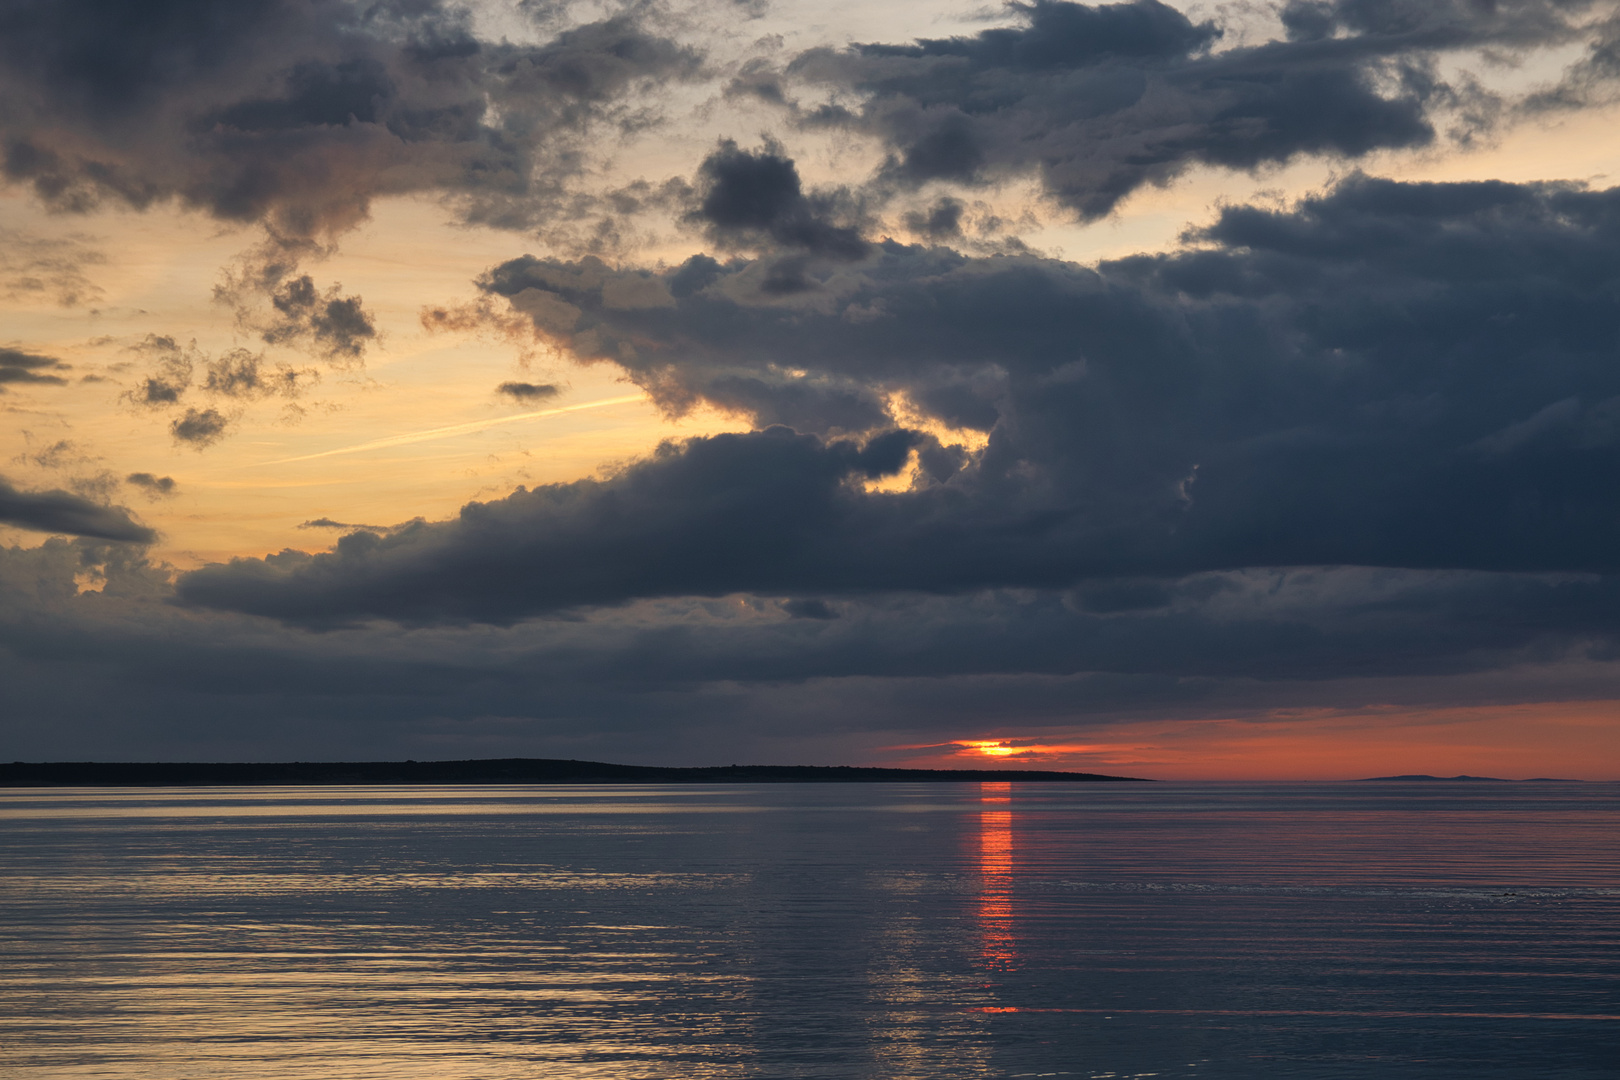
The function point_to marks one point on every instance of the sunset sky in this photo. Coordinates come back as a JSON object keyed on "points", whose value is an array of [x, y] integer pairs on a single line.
{"points": [[1220, 391]]}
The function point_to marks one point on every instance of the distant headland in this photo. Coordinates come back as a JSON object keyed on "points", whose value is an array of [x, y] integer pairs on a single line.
{"points": [[488, 771], [1479, 779]]}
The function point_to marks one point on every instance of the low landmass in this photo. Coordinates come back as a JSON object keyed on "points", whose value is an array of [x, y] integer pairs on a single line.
{"points": [[1482, 779], [490, 771]]}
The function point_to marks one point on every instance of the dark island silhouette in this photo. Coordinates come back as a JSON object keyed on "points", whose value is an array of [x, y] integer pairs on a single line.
{"points": [[488, 771]]}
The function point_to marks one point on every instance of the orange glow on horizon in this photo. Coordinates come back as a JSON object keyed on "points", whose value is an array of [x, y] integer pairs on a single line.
{"points": [[1572, 740], [989, 748], [1019, 748]]}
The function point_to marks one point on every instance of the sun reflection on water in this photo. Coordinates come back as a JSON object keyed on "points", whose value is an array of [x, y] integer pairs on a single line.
{"points": [[995, 909]]}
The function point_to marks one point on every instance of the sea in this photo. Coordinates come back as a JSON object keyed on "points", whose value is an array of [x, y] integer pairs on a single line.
{"points": [[916, 930]]}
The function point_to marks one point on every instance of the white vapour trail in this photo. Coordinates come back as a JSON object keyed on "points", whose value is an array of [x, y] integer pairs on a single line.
{"points": [[455, 429]]}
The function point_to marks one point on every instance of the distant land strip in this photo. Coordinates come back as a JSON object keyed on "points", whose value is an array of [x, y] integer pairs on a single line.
{"points": [[1425, 778], [489, 771]]}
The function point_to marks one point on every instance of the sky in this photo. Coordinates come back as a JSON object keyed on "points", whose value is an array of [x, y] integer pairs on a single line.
{"points": [[1195, 391]]}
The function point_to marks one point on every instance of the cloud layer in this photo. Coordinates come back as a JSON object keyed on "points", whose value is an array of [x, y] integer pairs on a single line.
{"points": [[63, 512], [1098, 101], [297, 114], [1398, 375], [688, 680]]}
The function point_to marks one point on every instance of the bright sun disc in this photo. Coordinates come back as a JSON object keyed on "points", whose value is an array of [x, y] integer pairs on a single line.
{"points": [[989, 747]]}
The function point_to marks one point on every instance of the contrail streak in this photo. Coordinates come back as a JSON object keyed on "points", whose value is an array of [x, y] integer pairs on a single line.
{"points": [[454, 429]]}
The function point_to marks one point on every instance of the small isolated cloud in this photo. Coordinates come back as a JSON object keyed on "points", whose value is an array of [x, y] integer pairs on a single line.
{"points": [[328, 523], [527, 392], [154, 487], [243, 374], [60, 511], [335, 327], [170, 366], [17, 366], [200, 428], [237, 375]]}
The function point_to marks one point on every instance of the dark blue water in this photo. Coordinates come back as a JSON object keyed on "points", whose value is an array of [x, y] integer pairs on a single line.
{"points": [[849, 931]]}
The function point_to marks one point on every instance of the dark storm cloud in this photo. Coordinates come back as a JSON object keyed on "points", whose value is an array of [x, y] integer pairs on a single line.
{"points": [[692, 678], [527, 392], [1101, 100], [1406, 375], [723, 509], [17, 366], [627, 317], [755, 198], [63, 512], [298, 114]]}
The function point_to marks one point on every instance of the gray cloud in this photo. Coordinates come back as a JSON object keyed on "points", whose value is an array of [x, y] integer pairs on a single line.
{"points": [[756, 198], [1594, 80], [808, 609], [170, 366], [726, 509], [337, 327], [200, 428], [283, 307], [527, 392], [155, 487], [690, 678], [62, 512], [1399, 375], [59, 454], [17, 366], [298, 115], [601, 314], [1100, 100], [239, 373], [328, 523], [54, 268], [235, 375], [942, 223]]}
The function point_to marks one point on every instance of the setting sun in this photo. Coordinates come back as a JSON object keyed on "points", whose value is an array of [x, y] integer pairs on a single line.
{"points": [[992, 748]]}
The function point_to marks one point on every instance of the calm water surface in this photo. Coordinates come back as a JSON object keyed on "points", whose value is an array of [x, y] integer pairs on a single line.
{"points": [[850, 931]]}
